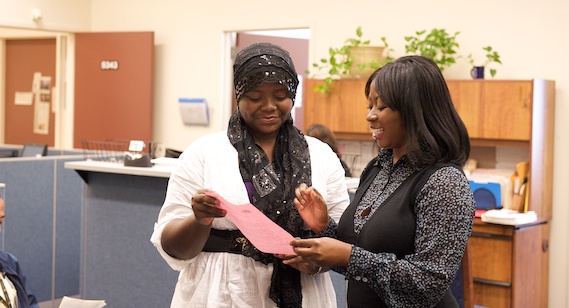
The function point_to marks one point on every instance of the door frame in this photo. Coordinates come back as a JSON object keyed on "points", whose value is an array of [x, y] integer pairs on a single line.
{"points": [[62, 97]]}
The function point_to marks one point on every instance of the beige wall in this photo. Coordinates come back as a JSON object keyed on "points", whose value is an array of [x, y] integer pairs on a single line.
{"points": [[191, 57], [60, 15]]}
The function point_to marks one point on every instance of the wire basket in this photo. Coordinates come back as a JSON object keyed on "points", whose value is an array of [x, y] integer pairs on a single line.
{"points": [[106, 150]]}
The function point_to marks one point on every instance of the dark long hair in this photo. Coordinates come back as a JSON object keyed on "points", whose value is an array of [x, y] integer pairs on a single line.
{"points": [[415, 86], [323, 133]]}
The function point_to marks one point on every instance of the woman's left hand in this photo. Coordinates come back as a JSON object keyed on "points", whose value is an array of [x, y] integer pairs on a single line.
{"points": [[311, 207], [323, 251]]}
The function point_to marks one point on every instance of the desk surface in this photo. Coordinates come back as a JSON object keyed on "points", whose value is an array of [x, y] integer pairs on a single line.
{"points": [[161, 169]]}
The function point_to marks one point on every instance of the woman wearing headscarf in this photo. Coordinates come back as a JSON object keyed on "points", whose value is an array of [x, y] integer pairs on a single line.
{"points": [[260, 159]]}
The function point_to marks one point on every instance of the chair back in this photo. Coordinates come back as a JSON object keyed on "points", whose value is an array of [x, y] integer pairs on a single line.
{"points": [[467, 279], [33, 150], [462, 287]]}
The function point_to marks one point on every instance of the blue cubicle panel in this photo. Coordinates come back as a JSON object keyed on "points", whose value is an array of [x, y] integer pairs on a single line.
{"points": [[28, 226], [121, 266], [69, 200], [43, 222], [7, 150]]}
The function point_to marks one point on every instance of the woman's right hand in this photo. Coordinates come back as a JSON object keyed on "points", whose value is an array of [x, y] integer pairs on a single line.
{"points": [[322, 251], [206, 208], [311, 207]]}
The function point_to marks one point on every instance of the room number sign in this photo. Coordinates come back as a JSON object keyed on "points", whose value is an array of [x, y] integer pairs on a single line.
{"points": [[109, 65]]}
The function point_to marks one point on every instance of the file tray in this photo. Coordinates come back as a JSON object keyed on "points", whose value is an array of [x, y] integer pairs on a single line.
{"points": [[194, 111], [488, 195], [142, 161]]}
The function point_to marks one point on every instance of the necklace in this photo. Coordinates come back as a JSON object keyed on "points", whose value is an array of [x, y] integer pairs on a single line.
{"points": [[367, 211]]}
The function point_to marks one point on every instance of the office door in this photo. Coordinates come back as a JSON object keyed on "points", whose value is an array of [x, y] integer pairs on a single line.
{"points": [[114, 86], [30, 76]]}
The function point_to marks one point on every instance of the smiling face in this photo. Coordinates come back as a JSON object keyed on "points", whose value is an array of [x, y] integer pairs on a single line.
{"points": [[386, 125], [265, 109]]}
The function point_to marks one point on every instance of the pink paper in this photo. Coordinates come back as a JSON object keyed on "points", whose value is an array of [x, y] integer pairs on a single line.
{"points": [[266, 235]]}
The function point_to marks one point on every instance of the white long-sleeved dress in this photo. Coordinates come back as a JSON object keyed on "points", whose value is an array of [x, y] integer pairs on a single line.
{"points": [[227, 279]]}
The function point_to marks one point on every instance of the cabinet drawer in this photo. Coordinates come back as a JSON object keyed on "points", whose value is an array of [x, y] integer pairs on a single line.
{"points": [[494, 296], [492, 257]]}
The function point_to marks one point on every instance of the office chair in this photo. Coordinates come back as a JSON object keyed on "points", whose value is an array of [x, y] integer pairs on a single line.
{"points": [[463, 286], [33, 150], [467, 279]]}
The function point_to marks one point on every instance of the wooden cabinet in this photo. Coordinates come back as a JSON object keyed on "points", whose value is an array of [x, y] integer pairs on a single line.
{"points": [[516, 113], [510, 263], [343, 110]]}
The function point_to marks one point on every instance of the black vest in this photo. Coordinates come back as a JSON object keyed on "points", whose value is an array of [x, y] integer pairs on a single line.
{"points": [[390, 229]]}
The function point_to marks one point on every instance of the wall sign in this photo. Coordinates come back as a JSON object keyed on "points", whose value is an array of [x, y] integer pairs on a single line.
{"points": [[109, 65]]}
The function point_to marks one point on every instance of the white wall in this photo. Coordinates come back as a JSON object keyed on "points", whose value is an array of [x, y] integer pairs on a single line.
{"points": [[189, 37]]}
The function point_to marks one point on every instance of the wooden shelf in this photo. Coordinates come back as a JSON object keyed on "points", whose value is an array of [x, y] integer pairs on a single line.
{"points": [[511, 113]]}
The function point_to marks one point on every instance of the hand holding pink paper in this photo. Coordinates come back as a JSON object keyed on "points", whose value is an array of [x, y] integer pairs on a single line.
{"points": [[266, 235]]}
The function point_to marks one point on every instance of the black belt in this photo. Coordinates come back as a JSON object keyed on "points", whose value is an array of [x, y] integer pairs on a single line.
{"points": [[232, 241]]}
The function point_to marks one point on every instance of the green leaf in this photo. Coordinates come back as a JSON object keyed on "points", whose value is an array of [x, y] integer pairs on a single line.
{"points": [[359, 31]]}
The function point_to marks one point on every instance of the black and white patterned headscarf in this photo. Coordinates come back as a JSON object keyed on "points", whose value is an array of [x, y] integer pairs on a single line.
{"points": [[274, 183], [263, 62]]}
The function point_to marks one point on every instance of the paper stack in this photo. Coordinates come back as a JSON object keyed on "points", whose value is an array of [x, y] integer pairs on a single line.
{"points": [[508, 217], [71, 302]]}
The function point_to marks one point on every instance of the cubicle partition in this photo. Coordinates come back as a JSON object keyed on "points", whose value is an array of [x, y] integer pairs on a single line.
{"points": [[42, 227], [119, 264], [15, 150], [120, 213]]}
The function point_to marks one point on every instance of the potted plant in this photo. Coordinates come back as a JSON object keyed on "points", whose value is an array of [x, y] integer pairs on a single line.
{"points": [[437, 45], [491, 56], [355, 59]]}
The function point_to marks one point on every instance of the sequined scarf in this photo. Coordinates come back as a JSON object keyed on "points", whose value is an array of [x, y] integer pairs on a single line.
{"points": [[273, 194]]}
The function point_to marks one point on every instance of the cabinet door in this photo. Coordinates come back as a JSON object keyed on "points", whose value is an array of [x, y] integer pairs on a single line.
{"points": [[507, 110], [467, 97], [343, 109], [494, 109], [531, 266]]}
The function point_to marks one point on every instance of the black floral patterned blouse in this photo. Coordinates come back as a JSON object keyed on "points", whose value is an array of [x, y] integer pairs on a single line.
{"points": [[443, 216]]}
